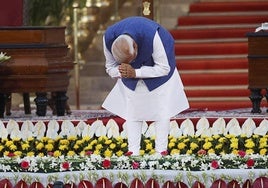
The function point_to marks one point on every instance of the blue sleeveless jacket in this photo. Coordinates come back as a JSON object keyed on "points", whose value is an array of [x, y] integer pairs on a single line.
{"points": [[143, 30]]}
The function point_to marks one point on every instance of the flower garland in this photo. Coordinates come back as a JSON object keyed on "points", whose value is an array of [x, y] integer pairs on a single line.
{"points": [[37, 148], [147, 162], [186, 153]]}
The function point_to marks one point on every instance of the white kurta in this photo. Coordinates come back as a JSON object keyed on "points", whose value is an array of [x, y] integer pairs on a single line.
{"points": [[163, 102]]}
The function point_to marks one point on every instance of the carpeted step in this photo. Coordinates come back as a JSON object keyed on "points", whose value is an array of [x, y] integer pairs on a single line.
{"points": [[221, 92], [211, 48], [213, 20], [210, 64], [182, 34], [215, 79], [228, 6], [220, 105]]}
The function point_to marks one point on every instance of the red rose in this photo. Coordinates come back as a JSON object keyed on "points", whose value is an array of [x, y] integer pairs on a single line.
{"points": [[88, 152], [10, 154], [250, 163], [202, 152], [214, 164], [65, 165], [50, 153], [241, 153], [106, 163], [135, 165], [24, 165]]}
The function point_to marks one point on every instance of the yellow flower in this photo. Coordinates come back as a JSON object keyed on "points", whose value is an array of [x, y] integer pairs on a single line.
{"points": [[79, 142], [263, 151], [189, 152], [235, 152], [64, 142], [89, 147], [211, 151], [63, 147], [13, 147], [18, 153], [30, 154], [119, 153], [222, 139], [94, 142], [96, 152], [41, 154], [57, 153], [49, 147], [50, 141], [174, 151], [142, 152], [171, 145], [108, 153], [86, 138], [99, 146], [1, 147], [40, 146], [25, 146], [6, 153], [181, 145], [193, 146], [112, 146], [108, 142], [30, 139], [123, 145], [234, 143], [218, 146], [72, 138], [9, 143], [207, 145], [149, 146], [44, 139], [152, 152], [70, 153], [76, 146], [263, 143], [249, 151], [249, 144]]}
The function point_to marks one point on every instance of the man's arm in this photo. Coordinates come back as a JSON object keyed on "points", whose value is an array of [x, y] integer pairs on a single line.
{"points": [[161, 66]]}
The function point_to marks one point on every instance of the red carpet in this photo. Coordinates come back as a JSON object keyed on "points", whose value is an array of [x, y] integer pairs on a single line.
{"points": [[211, 49]]}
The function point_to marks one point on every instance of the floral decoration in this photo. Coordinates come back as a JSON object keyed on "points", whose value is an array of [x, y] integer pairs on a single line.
{"points": [[36, 148], [4, 57]]}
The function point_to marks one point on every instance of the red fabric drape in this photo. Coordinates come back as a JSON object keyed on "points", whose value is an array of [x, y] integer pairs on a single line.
{"points": [[11, 13]]}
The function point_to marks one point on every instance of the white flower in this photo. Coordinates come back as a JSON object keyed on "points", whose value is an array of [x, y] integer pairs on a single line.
{"points": [[175, 131], [27, 129], [262, 128], [39, 129], [187, 127], [3, 132], [218, 126], [101, 129], [113, 129], [67, 128], [4, 57], [248, 127], [52, 130]]}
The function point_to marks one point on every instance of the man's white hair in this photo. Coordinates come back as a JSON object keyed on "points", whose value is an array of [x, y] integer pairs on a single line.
{"points": [[122, 48]]}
